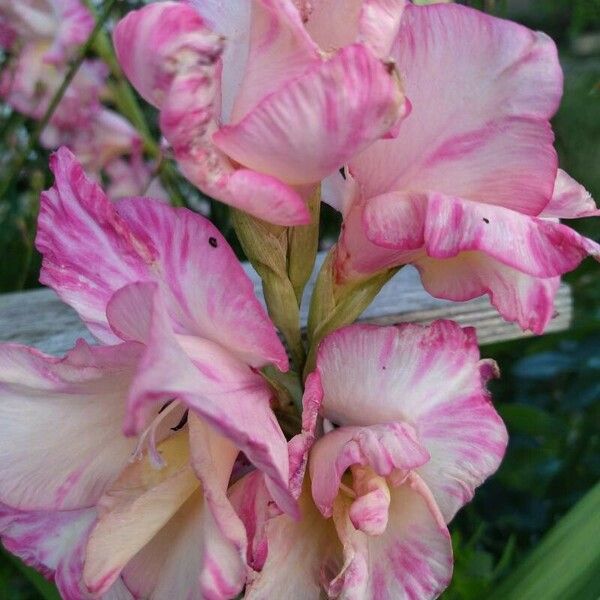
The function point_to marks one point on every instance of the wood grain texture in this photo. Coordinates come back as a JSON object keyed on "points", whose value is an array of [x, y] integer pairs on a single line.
{"points": [[38, 318]]}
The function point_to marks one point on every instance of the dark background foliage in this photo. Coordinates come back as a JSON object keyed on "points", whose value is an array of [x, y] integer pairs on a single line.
{"points": [[549, 393]]}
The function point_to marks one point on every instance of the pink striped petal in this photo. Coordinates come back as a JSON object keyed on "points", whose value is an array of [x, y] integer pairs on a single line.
{"points": [[280, 51], [298, 552], [224, 568], [411, 559], [429, 377], [484, 134], [379, 24], [92, 247], [337, 23], [61, 442], [63, 25], [448, 226], [385, 448], [50, 542], [155, 44], [224, 391], [338, 108], [520, 298], [184, 560], [570, 200], [183, 78], [200, 550], [135, 508], [232, 21]]}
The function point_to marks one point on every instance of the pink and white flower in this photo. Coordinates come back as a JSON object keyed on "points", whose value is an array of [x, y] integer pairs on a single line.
{"points": [[123, 453], [256, 111], [414, 433], [466, 189], [57, 26], [28, 85]]}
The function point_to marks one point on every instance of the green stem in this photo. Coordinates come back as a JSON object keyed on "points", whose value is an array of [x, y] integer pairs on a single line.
{"points": [[55, 101]]}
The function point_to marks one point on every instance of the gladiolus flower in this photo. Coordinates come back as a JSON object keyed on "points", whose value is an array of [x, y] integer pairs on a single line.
{"points": [[466, 190], [123, 453], [414, 433], [29, 84], [59, 26], [256, 112]]}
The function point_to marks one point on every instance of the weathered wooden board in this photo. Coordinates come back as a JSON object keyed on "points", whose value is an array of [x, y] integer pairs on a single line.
{"points": [[38, 318]]}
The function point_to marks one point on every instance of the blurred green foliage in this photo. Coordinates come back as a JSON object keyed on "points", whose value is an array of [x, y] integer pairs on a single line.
{"points": [[549, 393]]}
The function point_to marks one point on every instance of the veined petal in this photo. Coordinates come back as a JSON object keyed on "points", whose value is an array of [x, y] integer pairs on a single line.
{"points": [[534, 246], [156, 43], [448, 226], [50, 542], [93, 247], [176, 562], [333, 24], [53, 543], [61, 443], [136, 507], [315, 123], [280, 51], [521, 298], [218, 387], [300, 553], [429, 377], [570, 200], [88, 249], [206, 290], [411, 559], [379, 24], [384, 448], [223, 571], [232, 21], [200, 552], [489, 142]]}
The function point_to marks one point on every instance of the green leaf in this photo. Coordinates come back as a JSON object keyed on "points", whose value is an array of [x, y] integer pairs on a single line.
{"points": [[46, 590], [566, 563], [530, 420]]}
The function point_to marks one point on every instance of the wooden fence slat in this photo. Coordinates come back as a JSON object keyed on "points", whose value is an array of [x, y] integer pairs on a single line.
{"points": [[38, 318]]}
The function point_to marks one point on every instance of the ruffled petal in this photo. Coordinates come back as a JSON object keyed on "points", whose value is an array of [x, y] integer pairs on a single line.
{"points": [[520, 298], [156, 43], [92, 248], [489, 142], [411, 559], [385, 448], [533, 246], [206, 290], [333, 24], [315, 123], [232, 21], [61, 441], [200, 552], [223, 571], [429, 377], [50, 542], [230, 396], [447, 226], [299, 554], [135, 508], [379, 24], [183, 80], [570, 200], [280, 51]]}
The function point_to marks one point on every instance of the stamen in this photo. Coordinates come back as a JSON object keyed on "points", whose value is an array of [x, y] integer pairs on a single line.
{"points": [[147, 439], [348, 490]]}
